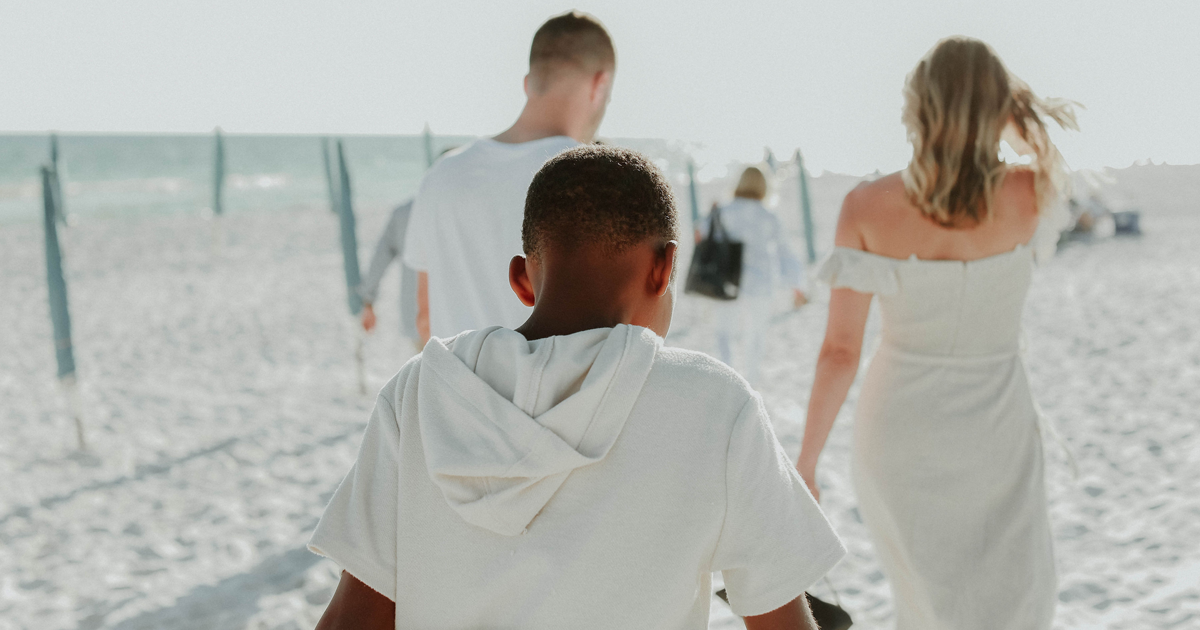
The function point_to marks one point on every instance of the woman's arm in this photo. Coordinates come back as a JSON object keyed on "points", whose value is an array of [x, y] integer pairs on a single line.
{"points": [[836, 367], [837, 363]]}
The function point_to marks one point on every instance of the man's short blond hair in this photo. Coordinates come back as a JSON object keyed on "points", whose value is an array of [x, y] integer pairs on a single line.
{"points": [[569, 43]]}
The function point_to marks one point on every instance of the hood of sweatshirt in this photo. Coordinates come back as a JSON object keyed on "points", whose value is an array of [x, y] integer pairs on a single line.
{"points": [[504, 420]]}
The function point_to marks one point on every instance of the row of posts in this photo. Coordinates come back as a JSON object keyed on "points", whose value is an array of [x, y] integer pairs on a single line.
{"points": [[340, 202], [54, 215]]}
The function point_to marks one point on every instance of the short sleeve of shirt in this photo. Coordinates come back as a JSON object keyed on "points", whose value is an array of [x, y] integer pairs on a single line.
{"points": [[775, 542], [420, 231], [358, 529]]}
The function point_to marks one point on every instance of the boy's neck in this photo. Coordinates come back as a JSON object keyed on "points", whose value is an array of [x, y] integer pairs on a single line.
{"points": [[580, 293], [568, 312]]}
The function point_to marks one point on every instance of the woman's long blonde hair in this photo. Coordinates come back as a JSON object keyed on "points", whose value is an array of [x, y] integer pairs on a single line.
{"points": [[958, 102]]}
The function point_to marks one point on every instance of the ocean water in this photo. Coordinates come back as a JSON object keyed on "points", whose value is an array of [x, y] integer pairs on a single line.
{"points": [[106, 175]]}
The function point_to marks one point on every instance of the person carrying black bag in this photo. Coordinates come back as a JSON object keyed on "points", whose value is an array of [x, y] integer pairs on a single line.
{"points": [[716, 269], [741, 260]]}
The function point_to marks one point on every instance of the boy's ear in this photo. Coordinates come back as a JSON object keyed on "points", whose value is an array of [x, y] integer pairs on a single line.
{"points": [[663, 270], [518, 279]]}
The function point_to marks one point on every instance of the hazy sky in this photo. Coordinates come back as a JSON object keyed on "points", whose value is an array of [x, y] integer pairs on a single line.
{"points": [[734, 75]]}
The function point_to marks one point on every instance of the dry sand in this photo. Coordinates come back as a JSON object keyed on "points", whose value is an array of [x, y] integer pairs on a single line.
{"points": [[222, 410]]}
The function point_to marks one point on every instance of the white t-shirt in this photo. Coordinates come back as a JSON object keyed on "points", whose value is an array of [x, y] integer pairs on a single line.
{"points": [[466, 227], [594, 480]]}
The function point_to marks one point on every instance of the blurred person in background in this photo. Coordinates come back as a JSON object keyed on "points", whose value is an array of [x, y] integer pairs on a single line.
{"points": [[947, 447], [466, 219], [767, 262], [388, 249]]}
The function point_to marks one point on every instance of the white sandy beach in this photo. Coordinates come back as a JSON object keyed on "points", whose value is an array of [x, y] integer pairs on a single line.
{"points": [[222, 410]]}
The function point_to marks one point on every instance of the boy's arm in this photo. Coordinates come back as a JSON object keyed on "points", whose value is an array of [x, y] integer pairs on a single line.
{"points": [[775, 541], [358, 530], [357, 606], [794, 615]]}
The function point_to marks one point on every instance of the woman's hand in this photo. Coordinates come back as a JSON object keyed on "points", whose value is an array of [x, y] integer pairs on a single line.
{"points": [[799, 298], [809, 475]]}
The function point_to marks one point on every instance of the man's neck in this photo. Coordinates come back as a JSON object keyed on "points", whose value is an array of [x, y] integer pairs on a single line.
{"points": [[544, 118]]}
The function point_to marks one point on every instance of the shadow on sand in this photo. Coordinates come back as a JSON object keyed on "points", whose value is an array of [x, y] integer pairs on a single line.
{"points": [[229, 603]]}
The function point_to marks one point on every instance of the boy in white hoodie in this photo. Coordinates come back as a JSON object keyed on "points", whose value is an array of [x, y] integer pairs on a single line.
{"points": [[574, 472]]}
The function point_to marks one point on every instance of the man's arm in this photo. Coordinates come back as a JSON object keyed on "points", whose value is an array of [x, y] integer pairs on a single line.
{"points": [[386, 250], [356, 606], [423, 306], [794, 615]]}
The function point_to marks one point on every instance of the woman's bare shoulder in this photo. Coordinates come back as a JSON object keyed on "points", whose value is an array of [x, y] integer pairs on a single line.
{"points": [[865, 206], [874, 194], [874, 201], [1019, 192]]}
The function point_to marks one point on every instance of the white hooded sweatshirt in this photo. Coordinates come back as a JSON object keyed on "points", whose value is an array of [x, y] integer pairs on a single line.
{"points": [[593, 480]]}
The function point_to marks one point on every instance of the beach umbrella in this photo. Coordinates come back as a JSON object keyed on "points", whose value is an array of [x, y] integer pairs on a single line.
{"points": [[695, 199], [428, 146], [60, 208], [218, 205], [806, 209], [329, 181], [60, 316], [350, 259]]}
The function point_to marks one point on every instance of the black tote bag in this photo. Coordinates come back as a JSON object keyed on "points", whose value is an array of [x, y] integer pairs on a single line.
{"points": [[716, 269]]}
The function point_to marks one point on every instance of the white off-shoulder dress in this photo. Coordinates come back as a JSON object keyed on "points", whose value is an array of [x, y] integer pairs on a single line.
{"points": [[947, 455]]}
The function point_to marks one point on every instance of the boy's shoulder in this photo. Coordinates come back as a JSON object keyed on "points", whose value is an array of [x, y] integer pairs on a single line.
{"points": [[404, 377], [700, 376], [681, 374], [393, 390], [674, 358]]}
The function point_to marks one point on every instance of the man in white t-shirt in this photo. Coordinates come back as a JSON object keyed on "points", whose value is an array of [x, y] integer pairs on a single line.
{"points": [[574, 472], [466, 220]]}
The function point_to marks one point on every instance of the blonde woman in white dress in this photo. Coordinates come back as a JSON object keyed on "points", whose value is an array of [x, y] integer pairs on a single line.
{"points": [[947, 452]]}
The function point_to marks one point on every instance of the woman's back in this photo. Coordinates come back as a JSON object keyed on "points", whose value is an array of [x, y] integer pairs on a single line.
{"points": [[888, 224], [943, 291]]}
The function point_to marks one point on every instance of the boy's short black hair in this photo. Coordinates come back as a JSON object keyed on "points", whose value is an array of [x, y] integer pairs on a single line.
{"points": [[597, 195]]}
